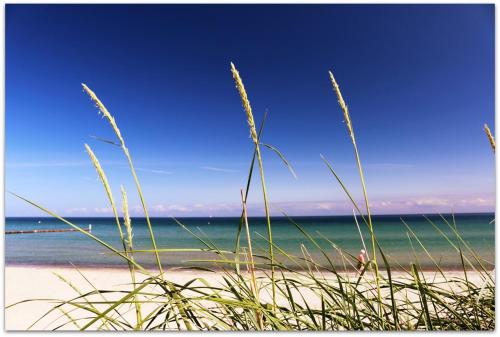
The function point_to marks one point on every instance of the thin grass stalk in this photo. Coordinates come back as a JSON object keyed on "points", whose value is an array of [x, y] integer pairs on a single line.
{"points": [[118, 303], [415, 267], [360, 234], [130, 248], [440, 231], [394, 308], [350, 129], [249, 179], [253, 133], [109, 194], [107, 189], [465, 272], [72, 302], [424, 249], [250, 257], [91, 285], [79, 292], [466, 245], [422, 293], [71, 319], [341, 183]]}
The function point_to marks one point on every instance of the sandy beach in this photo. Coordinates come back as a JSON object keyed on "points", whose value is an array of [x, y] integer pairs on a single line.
{"points": [[26, 283]]}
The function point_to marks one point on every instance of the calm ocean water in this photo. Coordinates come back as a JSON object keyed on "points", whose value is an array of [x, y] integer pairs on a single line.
{"points": [[76, 248]]}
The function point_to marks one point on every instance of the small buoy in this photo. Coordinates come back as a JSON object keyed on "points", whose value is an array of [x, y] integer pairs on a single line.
{"points": [[209, 222], [39, 221]]}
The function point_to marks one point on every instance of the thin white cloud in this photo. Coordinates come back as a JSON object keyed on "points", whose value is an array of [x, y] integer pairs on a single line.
{"points": [[103, 210], [416, 204], [77, 210], [47, 164], [218, 169], [440, 204], [63, 163], [170, 208], [388, 166], [153, 170]]}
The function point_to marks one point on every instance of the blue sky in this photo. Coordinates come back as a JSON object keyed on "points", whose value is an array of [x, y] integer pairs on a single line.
{"points": [[418, 79]]}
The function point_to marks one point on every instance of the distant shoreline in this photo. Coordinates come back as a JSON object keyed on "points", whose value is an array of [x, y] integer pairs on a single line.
{"points": [[492, 213]]}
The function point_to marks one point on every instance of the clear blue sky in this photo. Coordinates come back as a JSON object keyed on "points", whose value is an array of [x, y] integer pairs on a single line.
{"points": [[419, 82]]}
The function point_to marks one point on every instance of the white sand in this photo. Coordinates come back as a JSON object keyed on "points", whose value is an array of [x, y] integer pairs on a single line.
{"points": [[23, 283]]}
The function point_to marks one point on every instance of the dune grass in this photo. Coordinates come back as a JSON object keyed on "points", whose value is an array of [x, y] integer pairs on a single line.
{"points": [[269, 294]]}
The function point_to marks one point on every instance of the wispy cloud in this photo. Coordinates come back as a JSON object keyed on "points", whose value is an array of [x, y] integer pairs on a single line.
{"points": [[103, 210], [153, 170], [388, 166], [416, 205], [198, 209], [218, 169], [438, 204], [89, 211], [62, 163], [77, 210], [47, 164], [375, 166]]}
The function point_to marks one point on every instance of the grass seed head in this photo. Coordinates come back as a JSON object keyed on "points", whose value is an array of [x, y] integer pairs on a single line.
{"points": [[126, 217], [104, 111], [347, 118], [245, 101], [100, 172], [490, 136]]}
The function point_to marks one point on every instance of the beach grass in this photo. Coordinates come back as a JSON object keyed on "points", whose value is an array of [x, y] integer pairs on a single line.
{"points": [[280, 290]]}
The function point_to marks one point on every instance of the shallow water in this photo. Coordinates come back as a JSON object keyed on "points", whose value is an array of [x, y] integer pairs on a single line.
{"points": [[76, 248]]}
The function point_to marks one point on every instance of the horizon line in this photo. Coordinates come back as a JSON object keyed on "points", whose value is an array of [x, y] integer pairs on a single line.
{"points": [[258, 216]]}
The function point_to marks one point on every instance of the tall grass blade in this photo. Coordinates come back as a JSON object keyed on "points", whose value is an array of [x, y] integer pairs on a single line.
{"points": [[253, 133]]}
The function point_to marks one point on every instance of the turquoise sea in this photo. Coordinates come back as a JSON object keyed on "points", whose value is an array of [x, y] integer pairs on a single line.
{"points": [[68, 248]]}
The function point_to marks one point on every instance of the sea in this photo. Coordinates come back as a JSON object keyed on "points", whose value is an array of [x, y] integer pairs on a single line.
{"points": [[338, 237]]}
